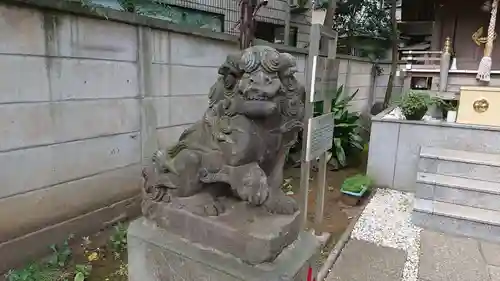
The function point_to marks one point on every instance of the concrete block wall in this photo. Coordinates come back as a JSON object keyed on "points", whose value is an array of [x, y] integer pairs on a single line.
{"points": [[70, 139], [84, 100], [381, 84], [182, 68], [359, 74]]}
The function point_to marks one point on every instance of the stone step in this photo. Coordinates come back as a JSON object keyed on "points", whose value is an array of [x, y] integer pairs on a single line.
{"points": [[457, 219], [489, 159], [465, 164], [456, 190]]}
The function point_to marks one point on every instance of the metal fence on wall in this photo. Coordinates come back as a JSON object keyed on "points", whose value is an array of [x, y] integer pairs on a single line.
{"points": [[216, 15]]}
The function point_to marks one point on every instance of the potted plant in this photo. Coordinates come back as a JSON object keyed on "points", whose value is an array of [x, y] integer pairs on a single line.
{"points": [[415, 104], [354, 188]]}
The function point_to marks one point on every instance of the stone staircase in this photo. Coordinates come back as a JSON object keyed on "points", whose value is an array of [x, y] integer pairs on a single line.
{"points": [[458, 192]]}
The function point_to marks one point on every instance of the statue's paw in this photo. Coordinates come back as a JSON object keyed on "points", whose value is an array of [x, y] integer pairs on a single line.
{"points": [[260, 196], [214, 209], [281, 204], [255, 194], [159, 157], [159, 193]]}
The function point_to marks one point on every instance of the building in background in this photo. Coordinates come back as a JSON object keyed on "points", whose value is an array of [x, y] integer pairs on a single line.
{"points": [[223, 16]]}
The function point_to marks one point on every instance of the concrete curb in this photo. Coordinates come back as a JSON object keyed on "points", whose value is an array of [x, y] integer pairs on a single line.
{"points": [[339, 246], [324, 238]]}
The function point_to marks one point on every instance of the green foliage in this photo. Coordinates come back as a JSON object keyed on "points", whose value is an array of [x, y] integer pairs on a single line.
{"points": [[356, 183], [364, 27], [346, 133], [34, 272], [82, 271], [415, 104], [61, 255], [362, 17], [51, 270], [118, 240], [59, 266], [121, 273]]}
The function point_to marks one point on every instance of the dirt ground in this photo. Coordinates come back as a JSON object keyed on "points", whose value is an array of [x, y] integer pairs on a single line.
{"points": [[337, 215]]}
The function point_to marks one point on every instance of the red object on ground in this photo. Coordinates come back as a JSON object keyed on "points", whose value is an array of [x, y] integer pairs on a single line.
{"points": [[310, 274]]}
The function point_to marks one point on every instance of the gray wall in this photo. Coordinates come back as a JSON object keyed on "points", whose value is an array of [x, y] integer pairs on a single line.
{"points": [[83, 100], [395, 147], [358, 74]]}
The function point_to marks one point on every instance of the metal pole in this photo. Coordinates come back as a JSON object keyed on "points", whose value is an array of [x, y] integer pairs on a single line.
{"points": [[243, 24], [323, 161], [445, 66], [287, 23], [305, 166]]}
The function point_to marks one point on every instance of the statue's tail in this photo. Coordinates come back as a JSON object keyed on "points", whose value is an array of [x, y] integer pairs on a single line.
{"points": [[174, 150]]}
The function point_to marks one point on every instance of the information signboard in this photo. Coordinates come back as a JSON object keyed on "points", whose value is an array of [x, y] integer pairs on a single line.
{"points": [[319, 136]]}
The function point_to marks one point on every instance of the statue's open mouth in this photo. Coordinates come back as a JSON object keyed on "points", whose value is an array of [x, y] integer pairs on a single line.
{"points": [[257, 97]]}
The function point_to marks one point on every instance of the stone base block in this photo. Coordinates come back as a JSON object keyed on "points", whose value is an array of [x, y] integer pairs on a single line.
{"points": [[158, 255], [248, 233]]}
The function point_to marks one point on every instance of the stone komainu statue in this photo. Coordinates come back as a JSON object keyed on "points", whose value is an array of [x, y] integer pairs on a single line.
{"points": [[240, 145]]}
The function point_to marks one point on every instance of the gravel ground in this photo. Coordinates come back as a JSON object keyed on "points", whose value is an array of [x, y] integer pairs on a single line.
{"points": [[386, 221]]}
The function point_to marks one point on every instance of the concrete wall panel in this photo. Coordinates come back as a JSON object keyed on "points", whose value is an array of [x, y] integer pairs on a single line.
{"points": [[188, 80], [197, 51], [49, 165], [80, 37], [91, 79], [187, 110], [21, 31], [57, 203], [30, 124], [160, 46], [24, 78]]}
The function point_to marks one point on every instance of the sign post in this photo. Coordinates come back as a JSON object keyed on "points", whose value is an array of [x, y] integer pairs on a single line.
{"points": [[317, 136]]}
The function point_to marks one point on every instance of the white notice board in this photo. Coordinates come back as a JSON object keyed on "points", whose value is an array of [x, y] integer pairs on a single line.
{"points": [[319, 135]]}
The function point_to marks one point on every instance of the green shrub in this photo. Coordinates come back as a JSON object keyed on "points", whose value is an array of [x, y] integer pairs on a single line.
{"points": [[415, 104], [347, 140]]}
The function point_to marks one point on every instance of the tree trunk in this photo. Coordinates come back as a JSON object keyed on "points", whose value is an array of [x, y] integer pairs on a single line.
{"points": [[395, 56], [330, 13]]}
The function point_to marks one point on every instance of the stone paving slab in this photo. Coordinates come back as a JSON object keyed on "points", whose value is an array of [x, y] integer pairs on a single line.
{"points": [[491, 253], [364, 261], [448, 258], [494, 272]]}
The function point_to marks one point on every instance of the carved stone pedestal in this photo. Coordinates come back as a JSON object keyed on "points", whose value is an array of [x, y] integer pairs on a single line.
{"points": [[247, 232], [156, 254]]}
